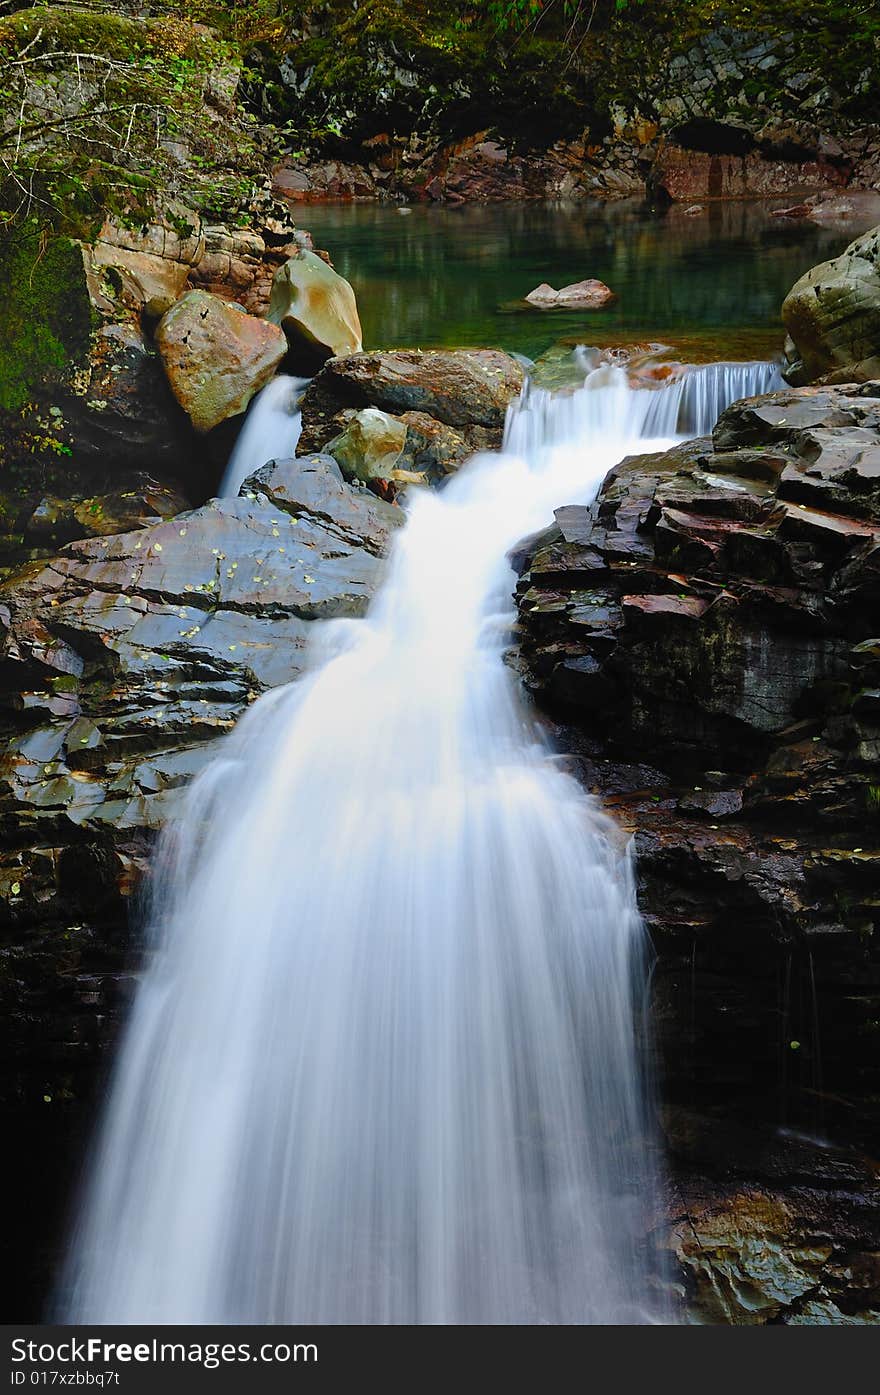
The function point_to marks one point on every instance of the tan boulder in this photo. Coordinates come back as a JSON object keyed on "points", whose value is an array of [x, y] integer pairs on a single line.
{"points": [[216, 356], [316, 307], [832, 315], [371, 446]]}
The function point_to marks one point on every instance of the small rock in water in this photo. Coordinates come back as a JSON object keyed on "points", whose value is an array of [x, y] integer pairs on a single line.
{"points": [[580, 295]]}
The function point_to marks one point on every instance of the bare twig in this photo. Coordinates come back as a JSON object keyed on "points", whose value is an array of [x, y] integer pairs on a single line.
{"points": [[36, 128], [67, 55], [35, 40]]}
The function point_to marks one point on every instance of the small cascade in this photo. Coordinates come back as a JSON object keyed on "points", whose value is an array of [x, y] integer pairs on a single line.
{"points": [[270, 431], [690, 405]]}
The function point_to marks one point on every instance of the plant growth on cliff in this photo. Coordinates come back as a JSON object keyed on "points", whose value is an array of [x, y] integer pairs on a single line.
{"points": [[99, 109]]}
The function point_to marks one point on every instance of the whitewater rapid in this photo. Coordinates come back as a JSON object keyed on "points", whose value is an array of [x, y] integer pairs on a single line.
{"points": [[384, 1062]]}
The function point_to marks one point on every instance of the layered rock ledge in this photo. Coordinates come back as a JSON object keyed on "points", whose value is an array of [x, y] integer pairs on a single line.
{"points": [[706, 638], [123, 660]]}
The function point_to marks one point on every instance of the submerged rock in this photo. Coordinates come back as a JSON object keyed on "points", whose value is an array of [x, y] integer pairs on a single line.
{"points": [[832, 315], [216, 356], [316, 308]]}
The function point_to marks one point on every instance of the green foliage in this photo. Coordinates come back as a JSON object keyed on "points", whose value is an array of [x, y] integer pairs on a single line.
{"points": [[91, 100], [46, 311]]}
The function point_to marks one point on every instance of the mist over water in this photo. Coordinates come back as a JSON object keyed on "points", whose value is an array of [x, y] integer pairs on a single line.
{"points": [[383, 1063]]}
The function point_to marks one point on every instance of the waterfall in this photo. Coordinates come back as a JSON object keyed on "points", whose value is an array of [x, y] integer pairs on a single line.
{"points": [[691, 404], [270, 432], [383, 1064]]}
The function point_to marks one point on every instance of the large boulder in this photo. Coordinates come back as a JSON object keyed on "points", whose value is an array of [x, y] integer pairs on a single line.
{"points": [[452, 401], [216, 356], [832, 315], [705, 638], [316, 307]]}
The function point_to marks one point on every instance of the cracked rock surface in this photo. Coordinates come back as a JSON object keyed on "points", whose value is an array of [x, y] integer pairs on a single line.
{"points": [[124, 658], [706, 639]]}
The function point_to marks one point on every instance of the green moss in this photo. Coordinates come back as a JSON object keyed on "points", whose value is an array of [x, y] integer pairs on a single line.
{"points": [[109, 34], [154, 78], [45, 314]]}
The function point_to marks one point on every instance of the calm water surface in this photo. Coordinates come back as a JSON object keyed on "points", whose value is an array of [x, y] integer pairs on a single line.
{"points": [[711, 284]]}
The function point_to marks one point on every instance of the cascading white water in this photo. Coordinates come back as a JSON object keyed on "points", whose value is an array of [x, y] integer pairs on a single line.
{"points": [[270, 432], [691, 405], [382, 1066]]}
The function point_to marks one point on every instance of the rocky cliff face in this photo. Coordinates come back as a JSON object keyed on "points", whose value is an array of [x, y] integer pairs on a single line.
{"points": [[705, 637], [688, 104]]}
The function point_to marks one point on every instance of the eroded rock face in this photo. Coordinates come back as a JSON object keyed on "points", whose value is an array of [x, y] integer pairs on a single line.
{"points": [[832, 315], [216, 356], [683, 175], [706, 638]]}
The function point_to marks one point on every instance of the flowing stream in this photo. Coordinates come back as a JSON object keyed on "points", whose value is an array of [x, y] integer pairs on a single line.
{"points": [[383, 1065]]}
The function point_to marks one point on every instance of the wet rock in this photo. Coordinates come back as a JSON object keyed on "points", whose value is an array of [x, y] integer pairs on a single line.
{"points": [[317, 310], [216, 356], [124, 658], [714, 615], [60, 520], [772, 1226], [370, 447], [468, 389], [433, 449], [832, 315], [580, 295]]}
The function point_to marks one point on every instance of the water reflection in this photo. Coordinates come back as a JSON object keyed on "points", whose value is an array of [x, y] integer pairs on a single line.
{"points": [[444, 276]]}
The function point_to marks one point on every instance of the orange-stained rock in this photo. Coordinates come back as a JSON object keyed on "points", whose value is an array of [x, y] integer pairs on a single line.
{"points": [[216, 356], [316, 308]]}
